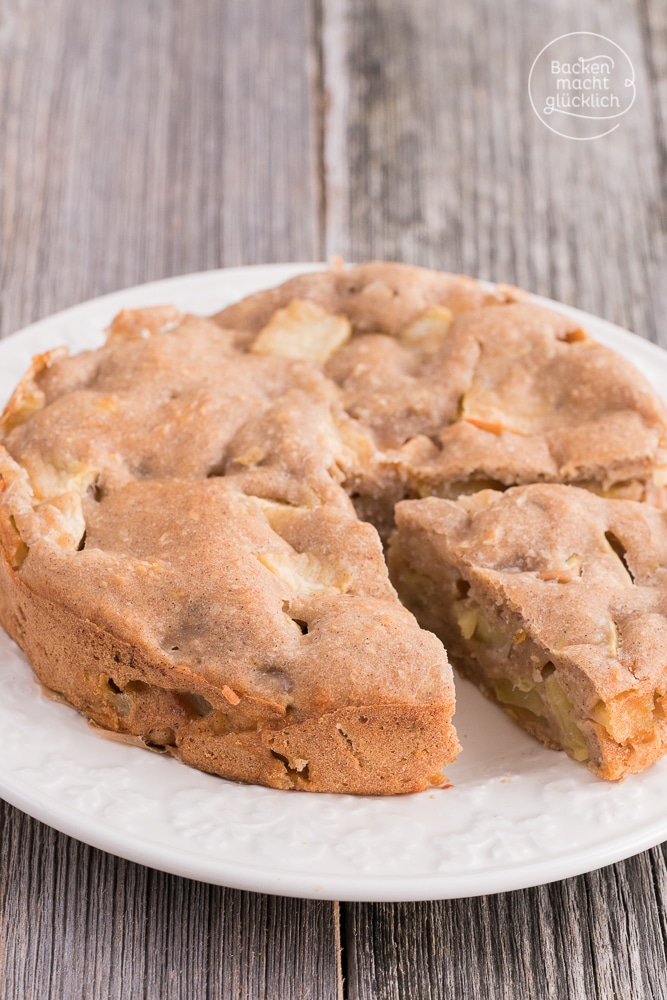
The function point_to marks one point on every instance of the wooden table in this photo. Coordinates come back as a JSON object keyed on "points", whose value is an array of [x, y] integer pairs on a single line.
{"points": [[141, 139]]}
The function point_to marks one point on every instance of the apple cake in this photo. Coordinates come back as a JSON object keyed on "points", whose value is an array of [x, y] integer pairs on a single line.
{"points": [[192, 517]]}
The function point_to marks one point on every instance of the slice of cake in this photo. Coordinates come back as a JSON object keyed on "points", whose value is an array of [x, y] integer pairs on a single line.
{"points": [[554, 602]]}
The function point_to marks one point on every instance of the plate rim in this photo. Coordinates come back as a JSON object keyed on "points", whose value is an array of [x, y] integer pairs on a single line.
{"points": [[359, 886], [377, 888]]}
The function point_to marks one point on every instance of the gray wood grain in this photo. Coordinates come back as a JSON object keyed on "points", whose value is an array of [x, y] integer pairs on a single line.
{"points": [[139, 140], [594, 936], [433, 155], [437, 158], [76, 923]]}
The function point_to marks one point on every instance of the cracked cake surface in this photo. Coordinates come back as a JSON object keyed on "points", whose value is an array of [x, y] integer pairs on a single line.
{"points": [[461, 388], [189, 515]]}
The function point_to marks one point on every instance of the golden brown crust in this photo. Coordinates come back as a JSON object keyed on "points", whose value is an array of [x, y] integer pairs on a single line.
{"points": [[378, 296], [373, 750]]}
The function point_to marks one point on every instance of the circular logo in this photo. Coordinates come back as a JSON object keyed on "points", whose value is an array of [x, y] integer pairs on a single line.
{"points": [[581, 85]]}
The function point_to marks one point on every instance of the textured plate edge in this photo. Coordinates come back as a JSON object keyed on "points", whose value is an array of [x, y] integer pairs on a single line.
{"points": [[154, 287], [377, 888]]}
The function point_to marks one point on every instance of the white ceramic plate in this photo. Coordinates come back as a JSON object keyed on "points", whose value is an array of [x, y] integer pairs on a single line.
{"points": [[517, 814]]}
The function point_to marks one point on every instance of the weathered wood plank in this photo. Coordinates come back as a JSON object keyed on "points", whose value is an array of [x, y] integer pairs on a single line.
{"points": [[597, 936], [436, 157], [143, 139], [433, 155], [78, 923], [139, 140]]}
